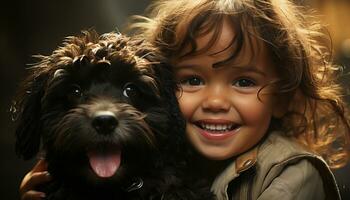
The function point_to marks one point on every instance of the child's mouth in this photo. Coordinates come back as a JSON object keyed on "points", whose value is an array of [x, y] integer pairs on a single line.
{"points": [[217, 127], [217, 131]]}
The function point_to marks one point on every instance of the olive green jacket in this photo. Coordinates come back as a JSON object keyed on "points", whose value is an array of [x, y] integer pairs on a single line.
{"points": [[278, 168]]}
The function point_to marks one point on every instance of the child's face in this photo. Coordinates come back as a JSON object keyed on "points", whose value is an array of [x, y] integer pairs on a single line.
{"points": [[223, 113]]}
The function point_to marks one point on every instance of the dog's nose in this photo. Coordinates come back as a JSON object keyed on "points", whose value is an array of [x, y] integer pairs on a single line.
{"points": [[104, 122]]}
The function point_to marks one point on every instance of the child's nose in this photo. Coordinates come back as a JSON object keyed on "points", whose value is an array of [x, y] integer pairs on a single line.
{"points": [[216, 101]]}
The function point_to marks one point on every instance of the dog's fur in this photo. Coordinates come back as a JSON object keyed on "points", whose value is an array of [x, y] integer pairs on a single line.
{"points": [[102, 95]]}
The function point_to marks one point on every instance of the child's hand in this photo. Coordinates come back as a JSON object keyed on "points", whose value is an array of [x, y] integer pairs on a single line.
{"points": [[37, 176]]}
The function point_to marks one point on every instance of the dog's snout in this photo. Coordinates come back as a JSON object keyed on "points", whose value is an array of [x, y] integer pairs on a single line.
{"points": [[104, 122]]}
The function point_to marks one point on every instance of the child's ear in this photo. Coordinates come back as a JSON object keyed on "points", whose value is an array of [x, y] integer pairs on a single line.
{"points": [[28, 133]]}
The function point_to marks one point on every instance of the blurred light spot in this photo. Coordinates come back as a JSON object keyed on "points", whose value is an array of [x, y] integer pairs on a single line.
{"points": [[345, 47]]}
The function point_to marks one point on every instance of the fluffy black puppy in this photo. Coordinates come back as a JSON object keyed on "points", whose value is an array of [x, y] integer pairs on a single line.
{"points": [[103, 110]]}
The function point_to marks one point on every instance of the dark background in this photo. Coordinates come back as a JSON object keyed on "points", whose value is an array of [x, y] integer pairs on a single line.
{"points": [[31, 27]]}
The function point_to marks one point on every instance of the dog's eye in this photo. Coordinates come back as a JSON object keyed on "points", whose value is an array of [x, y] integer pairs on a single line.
{"points": [[130, 90], [75, 91]]}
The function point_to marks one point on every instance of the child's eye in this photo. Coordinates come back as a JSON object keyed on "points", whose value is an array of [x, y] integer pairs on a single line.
{"points": [[192, 81], [244, 82]]}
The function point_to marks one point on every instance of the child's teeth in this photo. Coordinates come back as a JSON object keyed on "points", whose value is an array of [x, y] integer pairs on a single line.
{"points": [[217, 127], [220, 127]]}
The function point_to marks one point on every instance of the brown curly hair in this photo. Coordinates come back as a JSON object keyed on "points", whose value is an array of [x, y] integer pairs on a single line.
{"points": [[316, 113]]}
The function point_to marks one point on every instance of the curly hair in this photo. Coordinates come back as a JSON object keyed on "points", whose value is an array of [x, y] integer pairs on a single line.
{"points": [[94, 47], [299, 49]]}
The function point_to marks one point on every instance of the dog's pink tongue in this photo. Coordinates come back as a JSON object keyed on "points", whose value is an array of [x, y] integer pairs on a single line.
{"points": [[104, 164]]}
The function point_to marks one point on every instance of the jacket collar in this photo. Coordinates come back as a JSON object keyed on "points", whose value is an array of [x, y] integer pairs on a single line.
{"points": [[242, 163]]}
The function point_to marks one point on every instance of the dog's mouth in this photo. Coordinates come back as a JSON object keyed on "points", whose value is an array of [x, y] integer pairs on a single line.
{"points": [[106, 162]]}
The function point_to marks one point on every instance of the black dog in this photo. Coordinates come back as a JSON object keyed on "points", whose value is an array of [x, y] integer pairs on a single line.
{"points": [[103, 110]]}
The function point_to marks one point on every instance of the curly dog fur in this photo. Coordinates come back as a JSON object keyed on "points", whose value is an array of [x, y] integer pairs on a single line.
{"points": [[103, 110]]}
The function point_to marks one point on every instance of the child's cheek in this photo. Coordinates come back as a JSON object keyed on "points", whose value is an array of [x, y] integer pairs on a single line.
{"points": [[254, 111], [186, 105]]}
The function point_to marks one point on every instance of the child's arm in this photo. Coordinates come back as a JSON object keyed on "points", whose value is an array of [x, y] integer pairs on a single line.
{"points": [[37, 176]]}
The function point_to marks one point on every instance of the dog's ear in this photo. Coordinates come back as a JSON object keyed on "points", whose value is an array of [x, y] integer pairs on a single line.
{"points": [[28, 112], [168, 89]]}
